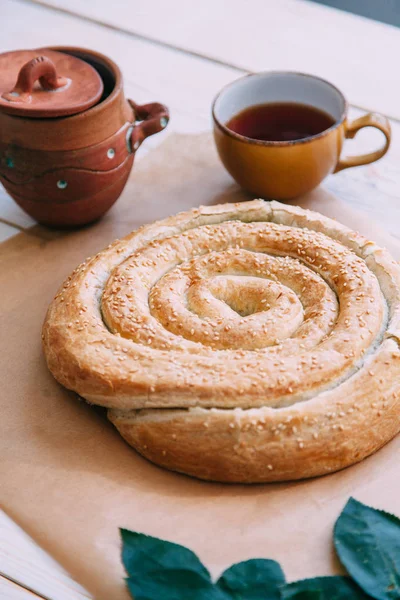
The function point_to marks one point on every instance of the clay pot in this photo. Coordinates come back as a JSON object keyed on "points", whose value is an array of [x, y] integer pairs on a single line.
{"points": [[66, 150]]}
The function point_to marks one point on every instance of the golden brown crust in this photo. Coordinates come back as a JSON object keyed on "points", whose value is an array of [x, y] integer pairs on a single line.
{"points": [[247, 342]]}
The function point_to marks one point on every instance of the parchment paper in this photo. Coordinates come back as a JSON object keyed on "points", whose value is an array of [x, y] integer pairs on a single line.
{"points": [[68, 478]]}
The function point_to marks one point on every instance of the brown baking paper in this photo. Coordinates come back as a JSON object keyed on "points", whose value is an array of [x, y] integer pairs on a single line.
{"points": [[68, 478]]}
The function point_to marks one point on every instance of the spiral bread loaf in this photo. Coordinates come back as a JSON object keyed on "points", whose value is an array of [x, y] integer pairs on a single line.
{"points": [[242, 342]]}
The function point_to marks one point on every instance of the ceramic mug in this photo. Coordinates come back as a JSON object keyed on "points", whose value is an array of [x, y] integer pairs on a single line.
{"points": [[286, 169]]}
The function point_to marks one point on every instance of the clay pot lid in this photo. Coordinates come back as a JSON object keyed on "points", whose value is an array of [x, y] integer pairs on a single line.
{"points": [[45, 83]]}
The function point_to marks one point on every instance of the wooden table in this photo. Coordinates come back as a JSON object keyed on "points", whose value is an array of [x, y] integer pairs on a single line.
{"points": [[181, 53]]}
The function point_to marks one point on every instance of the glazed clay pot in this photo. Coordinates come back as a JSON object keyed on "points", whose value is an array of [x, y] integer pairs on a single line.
{"points": [[66, 171]]}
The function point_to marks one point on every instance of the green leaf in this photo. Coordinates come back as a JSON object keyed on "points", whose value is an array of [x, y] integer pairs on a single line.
{"points": [[171, 586], [308, 595], [368, 545], [257, 579], [159, 569], [323, 588]]}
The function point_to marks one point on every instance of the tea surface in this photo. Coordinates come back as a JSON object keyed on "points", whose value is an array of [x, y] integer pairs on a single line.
{"points": [[280, 121]]}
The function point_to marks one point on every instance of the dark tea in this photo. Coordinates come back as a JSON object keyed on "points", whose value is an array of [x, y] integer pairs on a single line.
{"points": [[280, 121]]}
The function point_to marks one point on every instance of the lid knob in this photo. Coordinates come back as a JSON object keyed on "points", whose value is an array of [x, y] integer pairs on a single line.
{"points": [[40, 68], [40, 92]]}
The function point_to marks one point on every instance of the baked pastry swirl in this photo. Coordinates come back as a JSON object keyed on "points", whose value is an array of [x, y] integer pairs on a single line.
{"points": [[242, 342]]}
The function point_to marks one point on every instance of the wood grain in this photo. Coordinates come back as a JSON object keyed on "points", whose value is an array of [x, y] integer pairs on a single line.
{"points": [[187, 85], [7, 231], [11, 214], [353, 52], [182, 56], [22, 561], [12, 591]]}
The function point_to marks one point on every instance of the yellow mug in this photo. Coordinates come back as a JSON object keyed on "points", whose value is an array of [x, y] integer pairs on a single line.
{"points": [[286, 169]]}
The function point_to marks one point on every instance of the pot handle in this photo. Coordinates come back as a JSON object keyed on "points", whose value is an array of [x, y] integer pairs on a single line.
{"points": [[40, 68], [152, 118]]}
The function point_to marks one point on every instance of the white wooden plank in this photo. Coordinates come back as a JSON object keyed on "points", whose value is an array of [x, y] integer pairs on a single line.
{"points": [[187, 85], [353, 52], [7, 231], [150, 72], [23, 561], [11, 212], [373, 189], [12, 591]]}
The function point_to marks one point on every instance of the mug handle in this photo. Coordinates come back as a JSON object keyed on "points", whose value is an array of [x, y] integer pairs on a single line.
{"points": [[152, 118], [369, 120]]}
